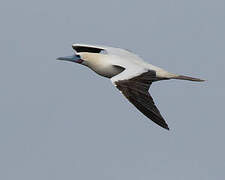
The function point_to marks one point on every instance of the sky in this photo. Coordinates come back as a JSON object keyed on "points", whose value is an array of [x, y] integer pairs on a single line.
{"points": [[60, 120]]}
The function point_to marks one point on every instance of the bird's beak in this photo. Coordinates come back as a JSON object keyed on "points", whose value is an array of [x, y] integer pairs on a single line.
{"points": [[74, 58]]}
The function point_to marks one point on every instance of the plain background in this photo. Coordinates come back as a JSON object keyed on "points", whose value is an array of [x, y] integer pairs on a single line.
{"points": [[59, 120]]}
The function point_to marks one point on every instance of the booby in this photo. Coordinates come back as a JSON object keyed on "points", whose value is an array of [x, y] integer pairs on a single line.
{"points": [[128, 72]]}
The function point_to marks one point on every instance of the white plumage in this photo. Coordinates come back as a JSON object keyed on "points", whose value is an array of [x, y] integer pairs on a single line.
{"points": [[128, 72]]}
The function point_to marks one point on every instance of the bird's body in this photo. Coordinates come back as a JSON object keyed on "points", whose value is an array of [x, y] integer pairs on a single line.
{"points": [[128, 72], [104, 62]]}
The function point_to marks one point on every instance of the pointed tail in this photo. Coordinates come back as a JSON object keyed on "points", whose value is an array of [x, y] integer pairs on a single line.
{"points": [[181, 77]]}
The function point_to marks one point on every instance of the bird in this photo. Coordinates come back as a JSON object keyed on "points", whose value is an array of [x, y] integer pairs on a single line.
{"points": [[128, 72]]}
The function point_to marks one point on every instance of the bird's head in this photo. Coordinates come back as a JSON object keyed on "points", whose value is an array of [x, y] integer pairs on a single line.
{"points": [[84, 54]]}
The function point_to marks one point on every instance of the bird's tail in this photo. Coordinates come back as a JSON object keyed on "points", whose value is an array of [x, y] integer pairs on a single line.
{"points": [[160, 73], [181, 77]]}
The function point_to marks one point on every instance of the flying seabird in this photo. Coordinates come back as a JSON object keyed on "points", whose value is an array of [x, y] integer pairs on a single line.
{"points": [[128, 72]]}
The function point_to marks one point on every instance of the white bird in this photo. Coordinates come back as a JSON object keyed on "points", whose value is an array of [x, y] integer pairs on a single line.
{"points": [[128, 72]]}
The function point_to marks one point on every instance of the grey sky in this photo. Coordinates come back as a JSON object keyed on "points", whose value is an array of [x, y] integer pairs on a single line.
{"points": [[62, 121]]}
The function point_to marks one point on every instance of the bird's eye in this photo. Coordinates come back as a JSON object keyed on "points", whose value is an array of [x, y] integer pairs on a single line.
{"points": [[78, 56]]}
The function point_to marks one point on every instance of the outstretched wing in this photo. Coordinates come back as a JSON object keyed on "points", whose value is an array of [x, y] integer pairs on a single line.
{"points": [[136, 91]]}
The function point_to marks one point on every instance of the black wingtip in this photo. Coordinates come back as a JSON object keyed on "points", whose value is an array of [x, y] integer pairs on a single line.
{"points": [[164, 126], [167, 128], [162, 123]]}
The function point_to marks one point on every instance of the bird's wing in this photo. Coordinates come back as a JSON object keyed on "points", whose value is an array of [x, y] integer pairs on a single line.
{"points": [[123, 53], [135, 89]]}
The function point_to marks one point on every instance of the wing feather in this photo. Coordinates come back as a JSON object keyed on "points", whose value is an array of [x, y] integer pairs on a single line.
{"points": [[136, 91]]}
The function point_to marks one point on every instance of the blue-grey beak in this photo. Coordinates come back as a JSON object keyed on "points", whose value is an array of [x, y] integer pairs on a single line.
{"points": [[74, 58]]}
